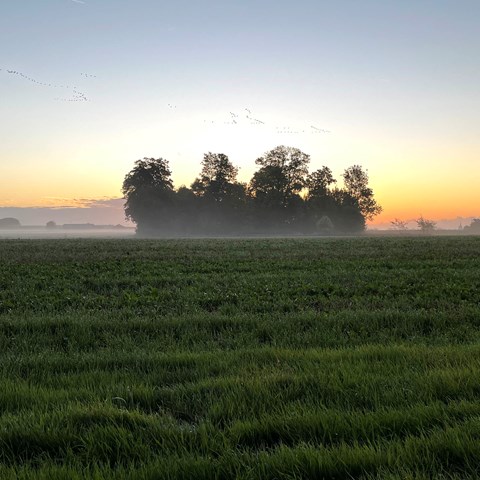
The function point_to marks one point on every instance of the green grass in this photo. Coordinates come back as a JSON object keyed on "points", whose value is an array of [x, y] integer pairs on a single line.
{"points": [[252, 359]]}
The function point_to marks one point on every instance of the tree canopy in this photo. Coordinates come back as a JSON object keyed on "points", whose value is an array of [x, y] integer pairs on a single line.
{"points": [[217, 176], [425, 225], [149, 194], [284, 170], [474, 227], [355, 180]]}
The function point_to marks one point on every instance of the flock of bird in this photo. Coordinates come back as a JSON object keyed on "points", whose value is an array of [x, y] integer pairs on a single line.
{"points": [[77, 96], [234, 118], [33, 80]]}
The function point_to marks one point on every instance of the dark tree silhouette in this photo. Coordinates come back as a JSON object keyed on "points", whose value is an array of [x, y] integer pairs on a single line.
{"points": [[331, 210], [149, 194], [185, 211], [474, 227], [217, 175], [425, 225], [282, 197], [356, 184], [275, 188], [398, 224], [318, 182], [348, 216], [286, 168], [221, 200], [9, 223], [268, 186]]}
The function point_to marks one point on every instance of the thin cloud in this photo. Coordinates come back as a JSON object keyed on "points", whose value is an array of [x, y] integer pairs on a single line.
{"points": [[61, 202], [105, 202]]}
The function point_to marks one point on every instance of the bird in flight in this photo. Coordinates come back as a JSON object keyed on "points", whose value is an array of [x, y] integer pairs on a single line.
{"points": [[33, 80], [255, 121], [77, 96], [320, 130]]}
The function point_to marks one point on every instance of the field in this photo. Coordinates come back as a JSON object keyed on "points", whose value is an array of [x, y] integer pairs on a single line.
{"points": [[251, 359]]}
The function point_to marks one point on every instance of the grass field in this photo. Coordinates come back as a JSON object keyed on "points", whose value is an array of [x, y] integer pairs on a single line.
{"points": [[255, 359]]}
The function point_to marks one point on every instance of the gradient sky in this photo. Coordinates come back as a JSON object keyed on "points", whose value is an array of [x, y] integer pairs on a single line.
{"points": [[397, 83]]}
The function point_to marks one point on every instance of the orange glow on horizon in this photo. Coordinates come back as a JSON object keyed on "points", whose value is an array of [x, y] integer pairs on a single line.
{"points": [[405, 189]]}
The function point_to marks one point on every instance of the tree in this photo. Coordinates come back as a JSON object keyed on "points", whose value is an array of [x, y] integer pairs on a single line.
{"points": [[268, 186], [9, 223], [318, 182], [347, 215], [149, 194], [220, 198], [282, 174], [398, 224], [425, 225], [185, 211], [217, 175], [267, 190], [356, 184], [474, 227]]}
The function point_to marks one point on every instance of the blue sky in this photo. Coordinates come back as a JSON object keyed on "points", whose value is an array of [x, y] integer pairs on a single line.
{"points": [[395, 82]]}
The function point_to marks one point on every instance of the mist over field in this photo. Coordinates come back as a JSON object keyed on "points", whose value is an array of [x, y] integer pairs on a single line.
{"points": [[44, 233], [39, 217], [105, 212]]}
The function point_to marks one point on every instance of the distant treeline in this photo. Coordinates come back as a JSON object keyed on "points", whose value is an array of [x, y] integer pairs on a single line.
{"points": [[474, 227], [282, 197]]}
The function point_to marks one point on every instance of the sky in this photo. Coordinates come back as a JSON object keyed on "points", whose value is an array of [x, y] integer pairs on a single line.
{"points": [[391, 85]]}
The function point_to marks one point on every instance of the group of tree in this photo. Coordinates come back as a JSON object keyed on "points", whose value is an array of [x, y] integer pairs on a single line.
{"points": [[474, 227], [425, 225], [281, 197]]}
